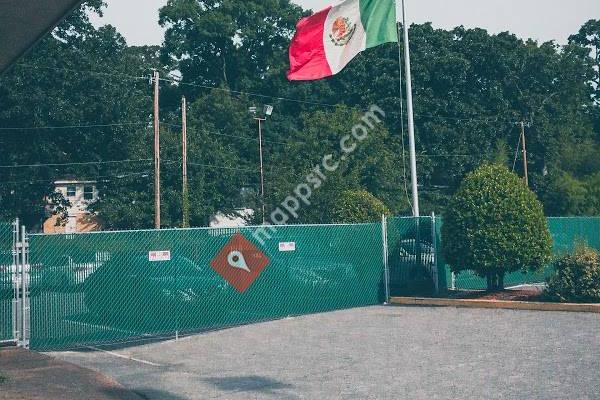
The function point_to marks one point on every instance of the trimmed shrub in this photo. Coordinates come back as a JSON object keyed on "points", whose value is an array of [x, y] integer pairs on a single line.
{"points": [[358, 206], [495, 225], [577, 277]]}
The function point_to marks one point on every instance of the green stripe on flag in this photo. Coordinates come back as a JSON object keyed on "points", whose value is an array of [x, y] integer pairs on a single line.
{"points": [[379, 19]]}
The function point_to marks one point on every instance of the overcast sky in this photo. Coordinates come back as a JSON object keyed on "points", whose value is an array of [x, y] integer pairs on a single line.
{"points": [[542, 20]]}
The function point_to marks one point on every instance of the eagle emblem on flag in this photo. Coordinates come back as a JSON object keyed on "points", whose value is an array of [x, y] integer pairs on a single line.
{"points": [[342, 31]]}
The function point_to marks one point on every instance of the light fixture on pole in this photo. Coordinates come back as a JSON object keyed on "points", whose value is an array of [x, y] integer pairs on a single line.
{"points": [[268, 111]]}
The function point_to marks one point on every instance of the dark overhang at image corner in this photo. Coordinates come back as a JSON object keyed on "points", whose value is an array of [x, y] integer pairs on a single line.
{"points": [[23, 23]]}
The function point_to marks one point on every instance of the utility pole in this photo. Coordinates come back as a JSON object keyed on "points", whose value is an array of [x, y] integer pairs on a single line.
{"points": [[262, 174], [525, 169], [186, 200], [156, 152], [268, 111], [411, 120]]}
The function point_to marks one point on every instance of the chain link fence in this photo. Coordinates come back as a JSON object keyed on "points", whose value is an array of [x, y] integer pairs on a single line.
{"points": [[110, 287], [6, 287], [413, 252], [114, 286], [566, 233]]}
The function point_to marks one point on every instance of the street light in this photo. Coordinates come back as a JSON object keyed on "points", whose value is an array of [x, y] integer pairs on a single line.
{"points": [[268, 111]]}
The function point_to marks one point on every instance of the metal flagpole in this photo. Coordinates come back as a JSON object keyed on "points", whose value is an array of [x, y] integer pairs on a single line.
{"points": [[411, 120], [185, 193]]}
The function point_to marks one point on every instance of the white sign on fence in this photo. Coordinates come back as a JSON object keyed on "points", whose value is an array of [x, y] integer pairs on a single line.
{"points": [[159, 255], [287, 246]]}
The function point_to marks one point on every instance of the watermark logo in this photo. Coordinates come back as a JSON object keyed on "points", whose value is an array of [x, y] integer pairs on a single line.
{"points": [[240, 263]]}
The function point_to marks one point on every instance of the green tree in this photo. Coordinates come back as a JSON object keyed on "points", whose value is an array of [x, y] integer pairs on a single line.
{"points": [[470, 89], [565, 195], [84, 79], [358, 206], [227, 42], [577, 277], [370, 167], [589, 37], [495, 225]]}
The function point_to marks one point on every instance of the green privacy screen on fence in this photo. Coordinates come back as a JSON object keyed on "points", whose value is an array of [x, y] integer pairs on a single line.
{"points": [[414, 269], [87, 289], [566, 232], [6, 291], [103, 287]]}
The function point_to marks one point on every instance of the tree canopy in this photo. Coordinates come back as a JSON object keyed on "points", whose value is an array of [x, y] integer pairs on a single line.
{"points": [[80, 106]]}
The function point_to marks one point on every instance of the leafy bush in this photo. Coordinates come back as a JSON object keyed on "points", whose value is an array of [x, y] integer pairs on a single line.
{"points": [[577, 277], [358, 206], [495, 225]]}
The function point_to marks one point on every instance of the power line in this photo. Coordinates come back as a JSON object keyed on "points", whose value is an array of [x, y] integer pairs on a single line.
{"points": [[249, 94], [488, 119], [73, 164], [225, 135], [126, 175], [221, 167], [517, 154], [240, 137], [458, 119], [91, 126], [89, 72], [118, 176], [118, 162], [444, 155]]}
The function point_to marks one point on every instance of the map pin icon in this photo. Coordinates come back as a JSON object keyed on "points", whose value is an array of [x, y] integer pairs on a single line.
{"points": [[236, 260]]}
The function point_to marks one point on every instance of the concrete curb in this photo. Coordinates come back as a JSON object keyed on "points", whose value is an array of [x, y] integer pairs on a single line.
{"points": [[496, 304]]}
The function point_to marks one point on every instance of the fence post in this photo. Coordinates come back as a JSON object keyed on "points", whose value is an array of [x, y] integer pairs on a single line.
{"points": [[385, 258], [434, 272], [14, 280], [24, 289]]}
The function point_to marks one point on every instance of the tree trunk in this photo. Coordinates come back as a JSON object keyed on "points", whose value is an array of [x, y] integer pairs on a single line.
{"points": [[501, 281], [490, 282]]}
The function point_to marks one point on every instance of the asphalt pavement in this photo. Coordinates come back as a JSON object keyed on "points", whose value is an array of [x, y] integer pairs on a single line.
{"points": [[370, 353], [26, 375]]}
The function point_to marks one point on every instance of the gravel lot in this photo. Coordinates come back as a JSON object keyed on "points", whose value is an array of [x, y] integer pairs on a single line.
{"points": [[371, 353]]}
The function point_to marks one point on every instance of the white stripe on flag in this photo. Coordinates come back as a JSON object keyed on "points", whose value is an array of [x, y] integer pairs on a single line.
{"points": [[339, 53]]}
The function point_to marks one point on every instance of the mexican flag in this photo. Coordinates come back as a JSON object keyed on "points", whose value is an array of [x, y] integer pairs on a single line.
{"points": [[326, 41]]}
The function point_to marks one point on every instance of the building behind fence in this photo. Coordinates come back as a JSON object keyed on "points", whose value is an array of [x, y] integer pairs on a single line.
{"points": [[107, 287]]}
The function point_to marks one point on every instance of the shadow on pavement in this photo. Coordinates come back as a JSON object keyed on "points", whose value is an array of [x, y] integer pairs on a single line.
{"points": [[152, 394], [250, 383], [33, 376]]}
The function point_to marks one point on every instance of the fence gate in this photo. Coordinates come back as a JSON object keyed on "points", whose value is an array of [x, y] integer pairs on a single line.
{"points": [[14, 285], [412, 247]]}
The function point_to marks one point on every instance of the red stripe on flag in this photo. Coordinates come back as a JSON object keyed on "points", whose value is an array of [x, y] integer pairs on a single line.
{"points": [[307, 50]]}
